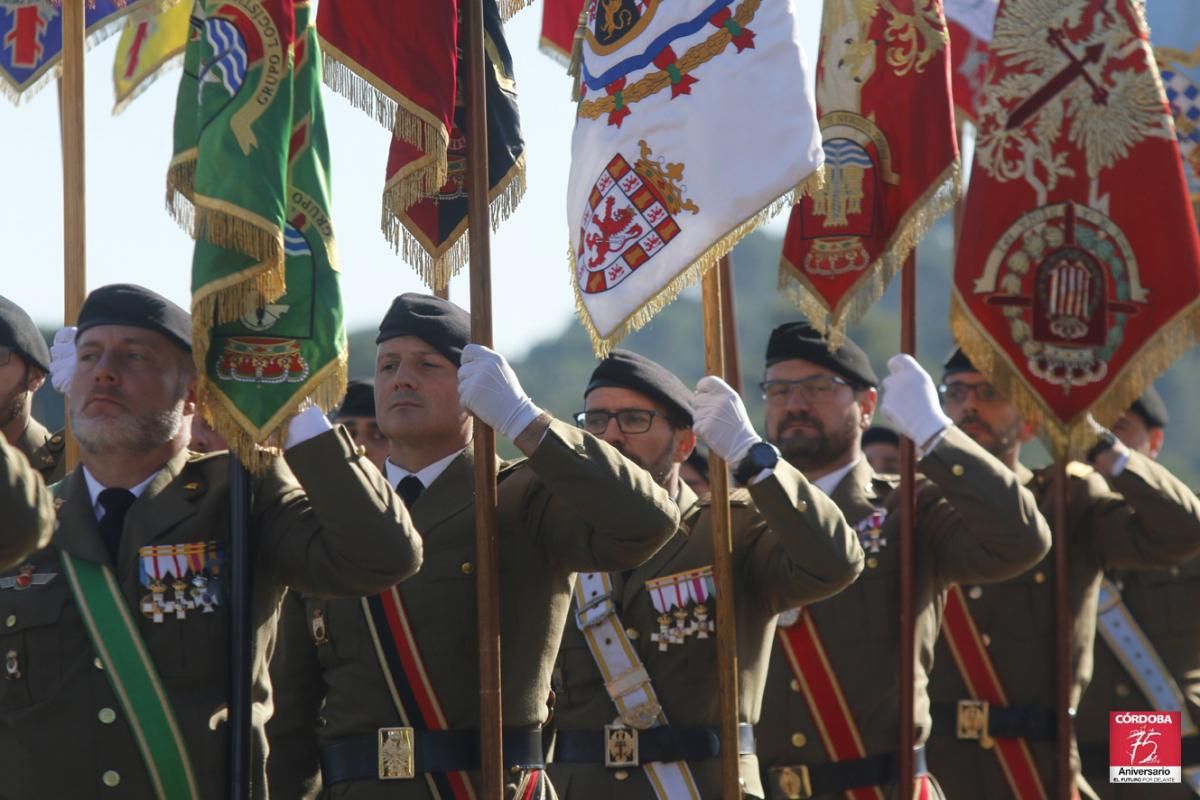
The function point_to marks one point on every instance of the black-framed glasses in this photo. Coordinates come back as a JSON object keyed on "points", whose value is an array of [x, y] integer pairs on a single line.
{"points": [[629, 420], [813, 389], [958, 392]]}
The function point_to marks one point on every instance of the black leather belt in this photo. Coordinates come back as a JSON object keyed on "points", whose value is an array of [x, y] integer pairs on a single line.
{"points": [[355, 758], [1094, 756], [1036, 723], [810, 780], [663, 743]]}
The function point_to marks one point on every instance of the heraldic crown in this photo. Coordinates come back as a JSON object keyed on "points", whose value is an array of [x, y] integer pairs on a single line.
{"points": [[664, 182]]}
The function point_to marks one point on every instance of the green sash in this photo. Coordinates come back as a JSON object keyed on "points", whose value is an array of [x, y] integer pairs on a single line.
{"points": [[133, 677]]}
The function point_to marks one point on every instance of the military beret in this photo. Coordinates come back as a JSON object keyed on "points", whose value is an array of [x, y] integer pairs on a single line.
{"points": [[626, 370], [440, 323], [957, 361], [18, 332], [1151, 408], [359, 400], [799, 340], [137, 307], [877, 434]]}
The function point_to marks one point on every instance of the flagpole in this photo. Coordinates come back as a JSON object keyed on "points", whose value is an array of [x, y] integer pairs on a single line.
{"points": [[733, 361], [241, 632], [487, 573], [71, 120], [718, 479], [908, 511], [1064, 629]]}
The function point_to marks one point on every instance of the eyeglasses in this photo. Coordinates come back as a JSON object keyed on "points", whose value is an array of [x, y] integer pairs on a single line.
{"points": [[958, 392], [629, 420], [814, 389]]}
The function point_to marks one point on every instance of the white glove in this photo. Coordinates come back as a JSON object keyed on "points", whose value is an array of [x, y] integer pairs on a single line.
{"points": [[307, 424], [489, 389], [62, 359], [721, 420], [910, 402]]}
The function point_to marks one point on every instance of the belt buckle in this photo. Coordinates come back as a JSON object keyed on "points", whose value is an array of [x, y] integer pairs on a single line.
{"points": [[620, 746], [972, 720], [396, 756], [794, 783]]}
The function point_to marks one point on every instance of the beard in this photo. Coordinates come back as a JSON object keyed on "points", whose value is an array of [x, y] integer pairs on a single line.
{"points": [[815, 448], [127, 433], [13, 405], [998, 443], [659, 466]]}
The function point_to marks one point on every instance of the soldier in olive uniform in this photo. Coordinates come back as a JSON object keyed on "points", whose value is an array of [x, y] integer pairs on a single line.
{"points": [[115, 636], [1124, 512], [24, 365], [1162, 604], [830, 712], [398, 674], [791, 546], [25, 507]]}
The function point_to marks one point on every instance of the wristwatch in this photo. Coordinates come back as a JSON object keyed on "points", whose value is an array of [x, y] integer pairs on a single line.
{"points": [[762, 455], [1107, 441]]}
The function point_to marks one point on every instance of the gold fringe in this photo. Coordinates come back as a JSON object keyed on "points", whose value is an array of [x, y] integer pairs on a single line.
{"points": [[437, 265], [1172, 340], [815, 182], [509, 8], [689, 276], [555, 52], [181, 183], [939, 198]]}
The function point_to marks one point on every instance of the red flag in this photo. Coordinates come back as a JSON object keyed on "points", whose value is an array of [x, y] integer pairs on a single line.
{"points": [[969, 23], [891, 156], [1078, 273], [560, 18]]}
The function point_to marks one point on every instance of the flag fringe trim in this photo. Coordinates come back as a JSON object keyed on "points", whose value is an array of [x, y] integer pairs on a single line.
{"points": [[256, 447], [938, 199], [602, 345], [509, 8], [437, 265], [1172, 340], [181, 184], [121, 100], [554, 52]]}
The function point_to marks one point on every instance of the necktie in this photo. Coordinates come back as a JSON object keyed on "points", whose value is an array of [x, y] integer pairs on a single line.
{"points": [[116, 503], [409, 489]]}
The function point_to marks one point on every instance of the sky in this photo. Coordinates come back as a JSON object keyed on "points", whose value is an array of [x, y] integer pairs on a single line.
{"points": [[131, 238]]}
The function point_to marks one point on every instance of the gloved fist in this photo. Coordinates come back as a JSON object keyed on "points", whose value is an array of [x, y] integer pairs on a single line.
{"points": [[308, 423], [721, 420], [62, 359], [910, 401], [489, 389]]}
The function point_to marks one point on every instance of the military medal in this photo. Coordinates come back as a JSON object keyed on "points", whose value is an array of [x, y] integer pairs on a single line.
{"points": [[672, 595], [187, 570], [663, 637], [870, 531], [702, 626], [12, 667], [26, 577]]}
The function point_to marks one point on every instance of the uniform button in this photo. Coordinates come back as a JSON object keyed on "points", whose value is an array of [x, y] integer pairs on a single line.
{"points": [[799, 740], [802, 505], [794, 685], [987, 640], [111, 778], [107, 716], [1039, 577], [872, 562], [621, 775], [1174, 572], [360, 451], [975, 593], [467, 568], [632, 634], [958, 470], [11, 621], [99, 664], [1122, 690]]}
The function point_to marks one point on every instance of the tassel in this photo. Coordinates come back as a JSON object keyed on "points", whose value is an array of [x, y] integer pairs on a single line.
{"points": [[575, 65]]}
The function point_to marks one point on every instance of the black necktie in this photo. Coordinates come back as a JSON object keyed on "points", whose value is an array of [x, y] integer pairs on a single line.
{"points": [[409, 489], [116, 503]]}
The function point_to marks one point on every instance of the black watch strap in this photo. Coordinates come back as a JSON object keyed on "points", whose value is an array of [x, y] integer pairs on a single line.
{"points": [[762, 455], [1107, 442]]}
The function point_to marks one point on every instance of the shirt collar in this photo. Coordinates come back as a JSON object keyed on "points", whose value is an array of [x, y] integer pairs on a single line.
{"points": [[426, 475], [828, 483], [95, 488]]}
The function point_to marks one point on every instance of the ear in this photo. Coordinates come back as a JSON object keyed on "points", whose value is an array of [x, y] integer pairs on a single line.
{"points": [[189, 397], [867, 400], [1154, 441], [35, 380], [685, 443]]}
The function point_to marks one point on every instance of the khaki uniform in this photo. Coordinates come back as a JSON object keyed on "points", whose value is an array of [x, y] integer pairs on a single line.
{"points": [[975, 522], [45, 451], [791, 546], [63, 733], [576, 504], [1153, 523], [25, 507]]}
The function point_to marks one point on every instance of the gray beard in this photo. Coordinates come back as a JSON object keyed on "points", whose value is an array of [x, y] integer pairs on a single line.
{"points": [[128, 433]]}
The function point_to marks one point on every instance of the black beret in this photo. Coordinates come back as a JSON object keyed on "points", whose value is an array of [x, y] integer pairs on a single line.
{"points": [[445, 326], [625, 370], [957, 362], [877, 434], [359, 400], [1151, 408], [137, 307], [18, 332], [799, 340]]}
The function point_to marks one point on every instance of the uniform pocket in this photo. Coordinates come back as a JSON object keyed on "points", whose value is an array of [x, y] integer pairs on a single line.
{"points": [[31, 647]]}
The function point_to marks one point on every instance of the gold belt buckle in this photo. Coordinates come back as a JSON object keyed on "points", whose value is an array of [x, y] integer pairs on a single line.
{"points": [[396, 761], [794, 783], [972, 720], [620, 746]]}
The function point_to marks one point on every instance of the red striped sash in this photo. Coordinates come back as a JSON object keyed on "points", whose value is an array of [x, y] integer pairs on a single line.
{"points": [[979, 676]]}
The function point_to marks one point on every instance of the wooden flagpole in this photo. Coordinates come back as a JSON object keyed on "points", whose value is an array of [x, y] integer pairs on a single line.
{"points": [[1063, 634], [908, 511], [71, 120], [487, 573], [733, 361], [718, 480]]}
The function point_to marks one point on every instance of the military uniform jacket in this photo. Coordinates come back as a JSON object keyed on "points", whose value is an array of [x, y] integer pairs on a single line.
{"points": [[975, 522], [25, 507], [576, 504], [44, 451], [63, 733], [1153, 522], [791, 546]]}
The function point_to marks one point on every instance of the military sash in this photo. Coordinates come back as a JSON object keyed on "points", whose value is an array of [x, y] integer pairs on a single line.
{"points": [[409, 684], [134, 679], [1129, 643], [626, 679], [979, 675]]}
